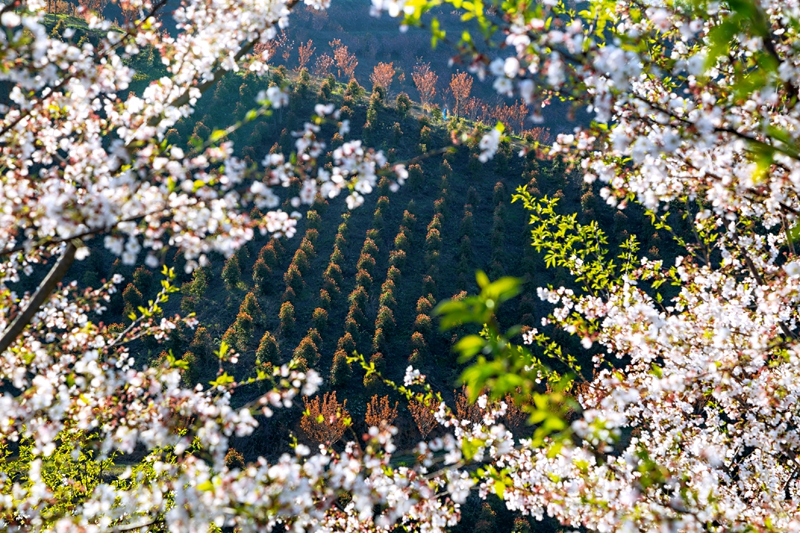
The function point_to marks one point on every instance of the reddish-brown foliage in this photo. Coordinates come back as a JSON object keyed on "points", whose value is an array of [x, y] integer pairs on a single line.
{"points": [[346, 62], [323, 65], [379, 412], [425, 81], [304, 53], [423, 412], [272, 46], [325, 422], [460, 87], [382, 75]]}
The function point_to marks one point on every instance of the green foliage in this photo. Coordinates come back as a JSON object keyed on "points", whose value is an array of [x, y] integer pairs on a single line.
{"points": [[251, 307], [319, 318], [232, 273], [403, 104], [308, 350], [501, 367], [261, 275], [286, 316], [268, 350], [340, 370]]}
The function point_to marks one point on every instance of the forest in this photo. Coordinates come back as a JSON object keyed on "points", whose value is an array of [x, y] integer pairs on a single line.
{"points": [[414, 266]]}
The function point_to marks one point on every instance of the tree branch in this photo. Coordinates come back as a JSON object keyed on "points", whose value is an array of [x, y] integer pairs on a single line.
{"points": [[44, 291]]}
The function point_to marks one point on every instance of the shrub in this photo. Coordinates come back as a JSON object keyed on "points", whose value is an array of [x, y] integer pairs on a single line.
{"points": [[472, 196], [307, 244], [339, 241], [467, 224], [268, 350], [418, 342], [293, 278], [425, 135], [499, 193], [366, 262], [232, 273], [358, 298], [435, 223], [313, 220], [383, 187], [143, 279], [385, 319], [286, 316], [243, 331], [428, 284], [432, 260], [379, 412], [300, 260], [234, 459], [288, 295], [308, 350], [393, 274], [387, 299], [299, 364], [364, 279], [346, 343], [433, 240], [334, 272], [261, 274], [379, 340], [439, 206], [340, 369], [369, 247], [133, 299], [415, 176], [423, 413], [383, 200], [329, 285], [319, 318], [402, 104], [337, 257], [270, 255], [250, 306], [465, 248], [424, 306], [387, 287], [202, 344], [446, 169], [397, 258], [401, 242], [325, 422], [324, 299]]}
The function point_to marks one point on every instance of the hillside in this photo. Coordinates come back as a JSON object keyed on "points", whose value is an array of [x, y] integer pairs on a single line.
{"points": [[364, 280]]}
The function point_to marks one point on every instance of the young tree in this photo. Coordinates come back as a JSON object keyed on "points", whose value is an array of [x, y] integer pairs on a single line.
{"points": [[286, 316], [423, 411], [380, 412], [340, 370], [425, 81], [250, 306], [325, 419], [460, 87], [308, 350], [346, 62], [268, 350], [382, 75], [304, 53], [232, 273], [323, 65]]}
